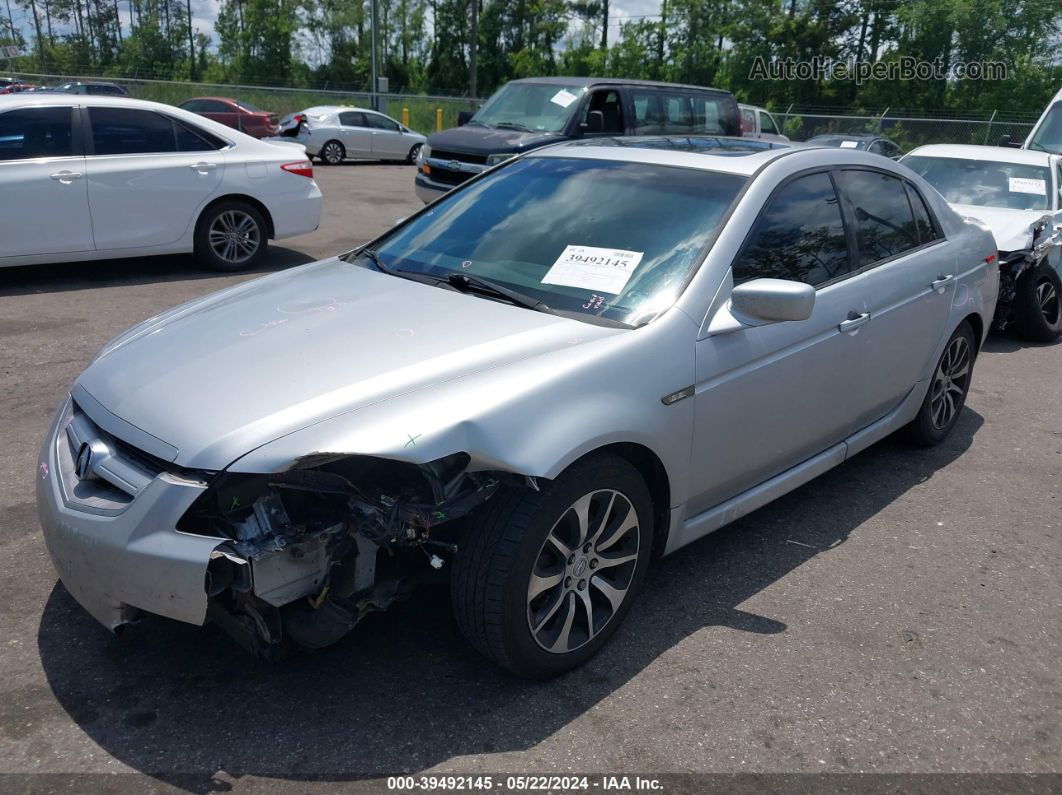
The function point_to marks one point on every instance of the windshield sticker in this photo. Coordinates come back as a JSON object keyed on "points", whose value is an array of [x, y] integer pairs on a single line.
{"points": [[849, 144], [1037, 187], [600, 270], [564, 98]]}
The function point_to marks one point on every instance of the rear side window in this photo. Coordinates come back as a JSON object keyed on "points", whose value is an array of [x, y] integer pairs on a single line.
{"points": [[192, 106], [122, 131], [885, 223], [676, 113], [104, 89], [351, 119], [927, 230], [799, 235], [36, 132]]}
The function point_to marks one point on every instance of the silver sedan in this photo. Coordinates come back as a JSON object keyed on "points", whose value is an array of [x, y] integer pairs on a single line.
{"points": [[334, 133], [584, 357]]}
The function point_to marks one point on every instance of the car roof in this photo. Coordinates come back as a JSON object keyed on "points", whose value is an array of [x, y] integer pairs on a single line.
{"points": [[848, 136], [87, 100], [999, 154], [613, 81], [219, 99], [741, 156]]}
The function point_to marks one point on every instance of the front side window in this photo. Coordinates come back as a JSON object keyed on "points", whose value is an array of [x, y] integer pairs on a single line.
{"points": [[537, 107], [587, 237], [35, 132], [985, 183], [121, 131], [608, 102], [884, 222], [799, 235], [1048, 136]]}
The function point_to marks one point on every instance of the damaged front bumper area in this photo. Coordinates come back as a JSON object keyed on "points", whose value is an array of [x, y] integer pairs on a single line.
{"points": [[294, 557]]}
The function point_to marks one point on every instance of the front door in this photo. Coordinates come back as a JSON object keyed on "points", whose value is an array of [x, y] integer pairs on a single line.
{"points": [[42, 179], [388, 140], [770, 397]]}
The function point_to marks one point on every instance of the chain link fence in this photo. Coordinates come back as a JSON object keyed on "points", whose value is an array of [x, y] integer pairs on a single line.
{"points": [[906, 129], [282, 101]]}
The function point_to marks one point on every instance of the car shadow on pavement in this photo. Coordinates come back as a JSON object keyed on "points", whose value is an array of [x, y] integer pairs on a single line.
{"points": [[62, 276], [1008, 343], [403, 692]]}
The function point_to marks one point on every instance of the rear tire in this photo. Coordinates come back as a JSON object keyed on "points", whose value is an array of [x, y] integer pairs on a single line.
{"points": [[948, 387], [534, 592], [231, 236], [414, 153], [1037, 304], [333, 153]]}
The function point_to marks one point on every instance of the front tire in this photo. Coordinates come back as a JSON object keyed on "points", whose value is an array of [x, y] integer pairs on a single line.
{"points": [[333, 153], [948, 388], [231, 236], [542, 579], [1037, 304]]}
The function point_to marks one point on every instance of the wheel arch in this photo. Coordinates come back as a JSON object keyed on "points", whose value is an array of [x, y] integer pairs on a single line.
{"points": [[243, 197], [978, 324]]}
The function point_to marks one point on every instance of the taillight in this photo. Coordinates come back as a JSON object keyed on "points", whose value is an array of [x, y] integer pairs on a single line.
{"points": [[990, 258], [304, 168]]}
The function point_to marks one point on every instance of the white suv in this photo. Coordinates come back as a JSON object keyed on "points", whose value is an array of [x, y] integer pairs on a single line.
{"points": [[105, 177]]}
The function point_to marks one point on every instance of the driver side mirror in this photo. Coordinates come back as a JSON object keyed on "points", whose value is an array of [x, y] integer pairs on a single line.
{"points": [[762, 302], [595, 121], [1006, 140]]}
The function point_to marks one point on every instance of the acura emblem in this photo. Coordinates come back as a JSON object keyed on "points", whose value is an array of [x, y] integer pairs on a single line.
{"points": [[454, 165], [83, 466]]}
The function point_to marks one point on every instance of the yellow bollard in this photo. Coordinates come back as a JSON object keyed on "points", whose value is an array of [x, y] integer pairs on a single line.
{"points": [[405, 117], [438, 119]]}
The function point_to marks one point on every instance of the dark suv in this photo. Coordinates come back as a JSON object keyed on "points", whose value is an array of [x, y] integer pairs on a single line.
{"points": [[97, 89], [526, 114]]}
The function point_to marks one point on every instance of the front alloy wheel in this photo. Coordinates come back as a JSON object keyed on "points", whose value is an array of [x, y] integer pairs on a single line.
{"points": [[542, 579], [1037, 306], [583, 572]]}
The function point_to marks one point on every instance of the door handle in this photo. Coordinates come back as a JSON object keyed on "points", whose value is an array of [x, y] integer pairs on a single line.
{"points": [[203, 168], [941, 283], [854, 322], [66, 177]]}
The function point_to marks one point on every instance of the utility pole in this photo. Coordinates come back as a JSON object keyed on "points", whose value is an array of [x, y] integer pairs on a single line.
{"points": [[11, 21], [604, 25], [473, 46], [373, 99]]}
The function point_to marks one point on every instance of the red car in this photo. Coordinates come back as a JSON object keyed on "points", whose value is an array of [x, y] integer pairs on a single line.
{"points": [[10, 85], [234, 113]]}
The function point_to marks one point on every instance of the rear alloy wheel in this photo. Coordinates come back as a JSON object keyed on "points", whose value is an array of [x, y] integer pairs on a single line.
{"points": [[1038, 304], [333, 153], [231, 236], [414, 153], [543, 578], [948, 388]]}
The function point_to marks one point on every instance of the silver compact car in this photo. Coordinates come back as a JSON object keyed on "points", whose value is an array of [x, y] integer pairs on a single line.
{"points": [[580, 359], [334, 133]]}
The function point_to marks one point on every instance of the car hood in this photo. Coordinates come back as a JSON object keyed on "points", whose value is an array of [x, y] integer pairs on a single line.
{"points": [[225, 374], [1012, 229], [488, 140]]}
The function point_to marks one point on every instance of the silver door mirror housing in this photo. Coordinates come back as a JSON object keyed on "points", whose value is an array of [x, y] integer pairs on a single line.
{"points": [[761, 302], [772, 301]]}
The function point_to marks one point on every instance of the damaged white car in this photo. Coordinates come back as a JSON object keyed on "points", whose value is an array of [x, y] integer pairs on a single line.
{"points": [[1018, 194], [579, 359]]}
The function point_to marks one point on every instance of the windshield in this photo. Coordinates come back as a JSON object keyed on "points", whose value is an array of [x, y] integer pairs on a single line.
{"points": [[1048, 136], [538, 107], [591, 238], [985, 183]]}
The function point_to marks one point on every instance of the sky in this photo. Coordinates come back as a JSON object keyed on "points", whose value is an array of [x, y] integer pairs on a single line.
{"points": [[205, 12]]}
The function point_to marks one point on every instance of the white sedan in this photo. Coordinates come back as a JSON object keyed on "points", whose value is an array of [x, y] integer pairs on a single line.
{"points": [[87, 178], [334, 133], [1018, 194]]}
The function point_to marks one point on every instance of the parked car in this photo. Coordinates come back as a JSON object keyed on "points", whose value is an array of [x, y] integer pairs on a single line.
{"points": [[93, 88], [142, 178], [1046, 134], [758, 123], [12, 85], [239, 115], [865, 141], [334, 133], [523, 387], [526, 114], [1016, 192]]}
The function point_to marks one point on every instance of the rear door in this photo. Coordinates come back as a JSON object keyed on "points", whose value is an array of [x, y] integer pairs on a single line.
{"points": [[355, 133], [906, 274], [42, 182], [148, 175]]}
